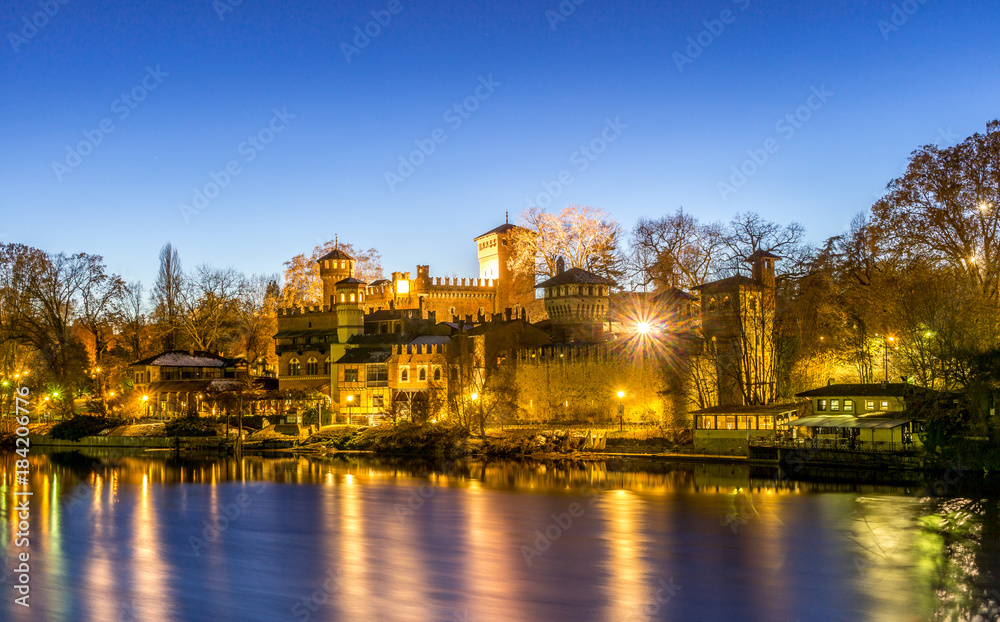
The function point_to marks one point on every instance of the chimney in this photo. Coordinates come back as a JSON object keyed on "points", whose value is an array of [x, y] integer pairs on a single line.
{"points": [[508, 313]]}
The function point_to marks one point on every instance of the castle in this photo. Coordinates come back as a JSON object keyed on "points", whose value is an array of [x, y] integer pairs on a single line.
{"points": [[372, 347]]}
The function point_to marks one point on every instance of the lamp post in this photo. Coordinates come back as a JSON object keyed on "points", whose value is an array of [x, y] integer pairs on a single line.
{"points": [[885, 356], [621, 411], [145, 400], [350, 401]]}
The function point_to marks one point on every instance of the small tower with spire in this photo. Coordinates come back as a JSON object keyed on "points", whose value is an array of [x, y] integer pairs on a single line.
{"points": [[334, 267]]}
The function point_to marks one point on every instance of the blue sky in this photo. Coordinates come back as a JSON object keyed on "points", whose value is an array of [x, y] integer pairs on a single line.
{"points": [[215, 78]]}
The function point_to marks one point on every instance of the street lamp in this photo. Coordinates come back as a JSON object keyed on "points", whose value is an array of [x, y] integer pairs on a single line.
{"points": [[350, 401], [621, 411]]}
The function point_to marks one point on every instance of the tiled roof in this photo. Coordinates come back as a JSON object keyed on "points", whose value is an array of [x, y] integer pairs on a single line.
{"points": [[335, 254], [351, 281], [504, 228], [575, 275], [361, 356], [731, 282], [876, 389], [763, 254]]}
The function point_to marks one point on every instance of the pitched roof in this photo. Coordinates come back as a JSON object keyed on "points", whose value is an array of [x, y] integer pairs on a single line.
{"points": [[361, 356], [575, 275], [731, 282], [183, 358], [767, 409], [875, 389], [504, 228], [335, 254], [762, 254], [350, 281], [673, 293]]}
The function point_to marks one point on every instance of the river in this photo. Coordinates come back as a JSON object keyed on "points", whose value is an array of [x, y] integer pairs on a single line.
{"points": [[153, 537]]}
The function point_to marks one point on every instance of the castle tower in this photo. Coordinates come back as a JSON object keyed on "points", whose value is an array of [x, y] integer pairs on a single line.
{"points": [[577, 304], [494, 250], [334, 267], [737, 321], [349, 295], [762, 263]]}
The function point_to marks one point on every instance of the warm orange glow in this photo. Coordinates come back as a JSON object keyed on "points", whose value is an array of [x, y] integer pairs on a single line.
{"points": [[621, 394]]}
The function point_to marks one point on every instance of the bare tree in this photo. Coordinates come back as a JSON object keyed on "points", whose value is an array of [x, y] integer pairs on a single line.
{"points": [[208, 304], [674, 251], [256, 317], [166, 297], [585, 237]]}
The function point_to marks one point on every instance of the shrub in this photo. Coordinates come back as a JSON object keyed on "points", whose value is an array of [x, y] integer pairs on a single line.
{"points": [[84, 425], [409, 438], [192, 427]]}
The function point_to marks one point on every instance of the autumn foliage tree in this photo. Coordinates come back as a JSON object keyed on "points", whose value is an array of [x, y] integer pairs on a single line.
{"points": [[585, 237]]}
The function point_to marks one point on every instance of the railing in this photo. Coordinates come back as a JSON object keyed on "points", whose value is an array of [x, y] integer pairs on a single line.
{"points": [[833, 445]]}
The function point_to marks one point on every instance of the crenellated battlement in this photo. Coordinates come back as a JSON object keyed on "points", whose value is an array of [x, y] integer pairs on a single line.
{"points": [[290, 311]]}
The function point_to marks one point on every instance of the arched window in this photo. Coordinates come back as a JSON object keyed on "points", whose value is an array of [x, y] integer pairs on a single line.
{"points": [[294, 367], [352, 298], [726, 303], [711, 304], [404, 375], [312, 367], [423, 374], [437, 373], [328, 366]]}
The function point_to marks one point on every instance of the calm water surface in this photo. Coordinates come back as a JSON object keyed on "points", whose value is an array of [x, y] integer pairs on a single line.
{"points": [[150, 537]]}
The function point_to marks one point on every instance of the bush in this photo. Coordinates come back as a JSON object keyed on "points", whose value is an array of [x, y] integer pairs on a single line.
{"points": [[409, 438], [192, 427], [84, 425]]}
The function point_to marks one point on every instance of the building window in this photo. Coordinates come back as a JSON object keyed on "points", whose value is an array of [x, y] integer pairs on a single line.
{"points": [[711, 304], [437, 373], [404, 374], [848, 406], [328, 366], [312, 367], [727, 422], [869, 405], [351, 374], [422, 374], [835, 405], [352, 298], [378, 374], [378, 401], [746, 422], [885, 404], [820, 405], [767, 422], [294, 367]]}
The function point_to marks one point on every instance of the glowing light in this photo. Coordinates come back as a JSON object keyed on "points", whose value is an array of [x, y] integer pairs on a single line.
{"points": [[350, 398], [145, 398], [112, 394], [474, 396], [643, 328], [621, 394]]}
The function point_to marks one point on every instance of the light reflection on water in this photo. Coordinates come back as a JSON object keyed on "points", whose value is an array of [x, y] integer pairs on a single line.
{"points": [[149, 537]]}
